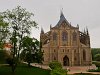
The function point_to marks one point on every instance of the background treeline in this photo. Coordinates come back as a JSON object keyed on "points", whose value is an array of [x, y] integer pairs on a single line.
{"points": [[95, 54]]}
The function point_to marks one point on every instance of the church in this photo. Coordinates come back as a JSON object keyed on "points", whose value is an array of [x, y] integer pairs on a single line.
{"points": [[66, 44]]}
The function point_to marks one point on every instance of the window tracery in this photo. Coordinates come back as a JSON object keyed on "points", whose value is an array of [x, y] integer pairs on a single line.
{"points": [[54, 36], [74, 36], [64, 36]]}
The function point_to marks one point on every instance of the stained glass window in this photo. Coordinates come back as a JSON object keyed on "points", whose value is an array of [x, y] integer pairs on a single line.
{"points": [[64, 36]]}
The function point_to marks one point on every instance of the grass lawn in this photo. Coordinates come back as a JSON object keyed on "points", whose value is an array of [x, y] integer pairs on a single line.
{"points": [[23, 69]]}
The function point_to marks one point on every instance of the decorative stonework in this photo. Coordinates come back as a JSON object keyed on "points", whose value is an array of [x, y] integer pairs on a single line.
{"points": [[66, 44]]}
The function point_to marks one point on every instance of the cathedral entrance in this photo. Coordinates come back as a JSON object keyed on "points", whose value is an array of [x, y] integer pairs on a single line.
{"points": [[65, 61]]}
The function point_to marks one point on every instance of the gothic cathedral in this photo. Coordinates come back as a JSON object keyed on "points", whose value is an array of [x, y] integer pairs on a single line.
{"points": [[66, 44]]}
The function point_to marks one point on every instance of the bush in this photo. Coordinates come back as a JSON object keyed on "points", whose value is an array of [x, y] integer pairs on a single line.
{"points": [[58, 71], [93, 70], [55, 64], [97, 64]]}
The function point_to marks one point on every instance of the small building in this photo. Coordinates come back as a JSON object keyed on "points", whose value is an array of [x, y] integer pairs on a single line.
{"points": [[66, 44]]}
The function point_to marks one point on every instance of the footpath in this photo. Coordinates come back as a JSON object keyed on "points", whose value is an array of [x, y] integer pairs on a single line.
{"points": [[73, 70]]}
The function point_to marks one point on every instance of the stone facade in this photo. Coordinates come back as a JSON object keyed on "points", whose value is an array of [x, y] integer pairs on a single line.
{"points": [[66, 44]]}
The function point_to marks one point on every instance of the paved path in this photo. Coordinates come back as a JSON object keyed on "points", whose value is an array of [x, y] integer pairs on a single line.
{"points": [[74, 69]]}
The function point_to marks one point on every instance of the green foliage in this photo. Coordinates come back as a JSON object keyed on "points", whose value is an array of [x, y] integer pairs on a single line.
{"points": [[94, 70], [55, 65], [31, 50], [3, 31], [58, 71], [94, 52], [20, 23], [97, 64], [2, 57], [97, 57]]}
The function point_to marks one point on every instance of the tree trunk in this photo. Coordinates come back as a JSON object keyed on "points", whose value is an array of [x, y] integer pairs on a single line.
{"points": [[29, 64]]}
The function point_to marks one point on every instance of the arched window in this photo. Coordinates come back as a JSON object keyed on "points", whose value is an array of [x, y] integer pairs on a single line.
{"points": [[64, 36], [54, 36], [74, 36], [54, 58], [84, 55]]}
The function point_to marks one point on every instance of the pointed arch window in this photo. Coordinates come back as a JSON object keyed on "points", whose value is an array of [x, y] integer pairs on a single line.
{"points": [[84, 55], [74, 36], [64, 36], [54, 36]]}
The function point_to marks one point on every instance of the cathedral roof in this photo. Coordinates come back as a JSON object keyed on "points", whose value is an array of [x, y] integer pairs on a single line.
{"points": [[62, 18]]}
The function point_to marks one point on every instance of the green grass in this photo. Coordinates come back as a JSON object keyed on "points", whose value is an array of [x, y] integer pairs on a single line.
{"points": [[23, 69]]}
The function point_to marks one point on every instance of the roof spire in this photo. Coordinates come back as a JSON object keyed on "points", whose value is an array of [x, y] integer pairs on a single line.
{"points": [[84, 31], [61, 15], [87, 31], [50, 26], [62, 19], [42, 31], [77, 25]]}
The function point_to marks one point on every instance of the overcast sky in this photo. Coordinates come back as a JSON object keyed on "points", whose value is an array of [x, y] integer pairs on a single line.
{"points": [[82, 12]]}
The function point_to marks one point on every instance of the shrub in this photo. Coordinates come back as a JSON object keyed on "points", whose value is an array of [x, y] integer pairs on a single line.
{"points": [[97, 64], [93, 70], [58, 71], [55, 64]]}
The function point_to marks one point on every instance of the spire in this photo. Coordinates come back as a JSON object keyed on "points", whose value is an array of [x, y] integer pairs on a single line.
{"points": [[77, 25], [62, 18], [50, 26], [84, 31], [87, 31], [62, 15], [42, 31]]}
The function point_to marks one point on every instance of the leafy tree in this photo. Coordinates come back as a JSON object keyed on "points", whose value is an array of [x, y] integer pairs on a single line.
{"points": [[97, 57], [3, 31], [27, 45], [20, 23], [94, 52], [31, 50]]}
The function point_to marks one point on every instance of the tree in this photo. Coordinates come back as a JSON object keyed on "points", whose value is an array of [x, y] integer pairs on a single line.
{"points": [[31, 50], [3, 31], [97, 57], [27, 45], [20, 23], [94, 52]]}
